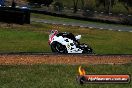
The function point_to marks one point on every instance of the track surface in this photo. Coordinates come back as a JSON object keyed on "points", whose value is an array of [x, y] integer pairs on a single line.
{"points": [[89, 24], [11, 59]]}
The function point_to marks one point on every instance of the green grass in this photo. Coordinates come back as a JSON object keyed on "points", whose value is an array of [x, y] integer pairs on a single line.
{"points": [[56, 76], [22, 39], [34, 38], [47, 17], [53, 18]]}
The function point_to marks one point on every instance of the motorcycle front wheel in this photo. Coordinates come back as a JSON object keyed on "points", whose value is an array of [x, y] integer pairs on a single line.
{"points": [[58, 48]]}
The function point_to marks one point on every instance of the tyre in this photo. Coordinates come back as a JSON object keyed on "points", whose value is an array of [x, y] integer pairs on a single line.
{"points": [[86, 49], [89, 50], [57, 47]]}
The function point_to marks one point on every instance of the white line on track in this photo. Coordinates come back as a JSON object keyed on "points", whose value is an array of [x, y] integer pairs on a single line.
{"points": [[90, 27], [101, 28]]}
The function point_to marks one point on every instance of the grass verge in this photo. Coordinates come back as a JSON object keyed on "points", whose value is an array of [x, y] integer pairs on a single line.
{"points": [[56, 76], [34, 38], [68, 20]]}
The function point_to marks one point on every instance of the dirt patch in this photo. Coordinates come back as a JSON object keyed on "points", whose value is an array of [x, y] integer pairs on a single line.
{"points": [[64, 59]]}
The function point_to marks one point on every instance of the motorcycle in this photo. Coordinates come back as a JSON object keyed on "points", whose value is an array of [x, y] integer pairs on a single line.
{"points": [[65, 42]]}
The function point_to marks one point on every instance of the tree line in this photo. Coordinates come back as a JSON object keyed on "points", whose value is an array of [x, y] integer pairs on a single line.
{"points": [[106, 5]]}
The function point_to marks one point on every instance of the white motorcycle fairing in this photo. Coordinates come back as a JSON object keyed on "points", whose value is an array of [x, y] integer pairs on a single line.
{"points": [[70, 46], [67, 43]]}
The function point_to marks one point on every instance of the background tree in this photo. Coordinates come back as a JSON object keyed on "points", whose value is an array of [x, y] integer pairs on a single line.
{"points": [[75, 5], [58, 6], [83, 3], [107, 4], [127, 3], [45, 2]]}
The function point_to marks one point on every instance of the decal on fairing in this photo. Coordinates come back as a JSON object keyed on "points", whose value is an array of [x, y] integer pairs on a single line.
{"points": [[68, 46]]}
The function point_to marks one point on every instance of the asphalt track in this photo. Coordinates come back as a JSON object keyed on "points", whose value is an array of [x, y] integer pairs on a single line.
{"points": [[101, 26]]}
